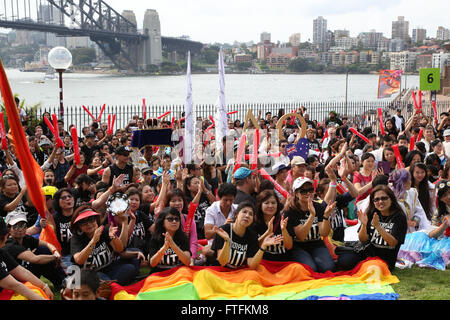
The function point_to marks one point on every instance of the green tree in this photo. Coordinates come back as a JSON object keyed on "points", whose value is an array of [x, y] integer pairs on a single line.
{"points": [[211, 55], [299, 65], [83, 55], [242, 66]]}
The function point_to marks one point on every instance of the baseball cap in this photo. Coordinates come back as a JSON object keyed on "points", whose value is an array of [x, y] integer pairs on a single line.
{"points": [[447, 132], [90, 135], [242, 173], [300, 182], [3, 228], [49, 190], [146, 169], [122, 150], [86, 214], [44, 142], [14, 217], [297, 160], [278, 167]]}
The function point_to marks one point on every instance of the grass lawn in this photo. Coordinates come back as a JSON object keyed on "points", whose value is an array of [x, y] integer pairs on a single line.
{"points": [[422, 284], [415, 284]]}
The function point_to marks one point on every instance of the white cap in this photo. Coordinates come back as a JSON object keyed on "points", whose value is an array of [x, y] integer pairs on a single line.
{"points": [[299, 182], [447, 132], [15, 217]]}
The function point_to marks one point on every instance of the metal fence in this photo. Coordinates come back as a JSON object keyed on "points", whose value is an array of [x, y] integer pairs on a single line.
{"points": [[359, 112]]}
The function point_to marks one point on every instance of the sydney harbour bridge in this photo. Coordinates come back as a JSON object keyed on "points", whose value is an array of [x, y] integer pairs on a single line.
{"points": [[116, 34]]}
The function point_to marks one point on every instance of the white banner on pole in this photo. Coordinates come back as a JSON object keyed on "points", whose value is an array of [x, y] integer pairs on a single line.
{"points": [[190, 118], [221, 107]]}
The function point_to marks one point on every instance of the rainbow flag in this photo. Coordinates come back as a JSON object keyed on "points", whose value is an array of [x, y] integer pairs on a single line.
{"points": [[370, 280], [11, 295]]}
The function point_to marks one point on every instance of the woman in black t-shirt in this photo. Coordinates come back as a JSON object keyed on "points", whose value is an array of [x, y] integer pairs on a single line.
{"points": [[169, 246], [10, 197], [94, 246], [308, 223], [382, 232], [269, 220], [237, 244]]}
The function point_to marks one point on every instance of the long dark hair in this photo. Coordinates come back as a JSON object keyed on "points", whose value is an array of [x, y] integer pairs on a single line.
{"points": [[262, 197], [395, 207], [179, 235], [441, 206], [423, 189]]}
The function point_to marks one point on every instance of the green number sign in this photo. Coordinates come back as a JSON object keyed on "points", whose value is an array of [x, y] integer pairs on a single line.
{"points": [[430, 79]]}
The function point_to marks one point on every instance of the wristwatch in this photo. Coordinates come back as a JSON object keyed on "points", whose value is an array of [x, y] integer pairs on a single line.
{"points": [[326, 218]]}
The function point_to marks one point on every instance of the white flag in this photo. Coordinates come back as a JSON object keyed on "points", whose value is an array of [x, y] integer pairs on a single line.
{"points": [[190, 119], [221, 107]]}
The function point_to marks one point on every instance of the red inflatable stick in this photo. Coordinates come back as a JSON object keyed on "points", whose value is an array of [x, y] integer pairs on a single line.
{"points": [[101, 112], [420, 99], [412, 143], [109, 122], [164, 115], [380, 116], [400, 163], [172, 123], [54, 129], [3, 132], [232, 112], [190, 217], [111, 127], [144, 110], [89, 113], [353, 130], [419, 136], [435, 112], [279, 188], [240, 152], [76, 148]]}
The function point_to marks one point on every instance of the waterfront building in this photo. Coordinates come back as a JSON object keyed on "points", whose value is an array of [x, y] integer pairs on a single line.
{"points": [[264, 50], [341, 33], [278, 61], [424, 61], [404, 60], [442, 33], [400, 29], [243, 57], [397, 45], [346, 43], [441, 60], [265, 37], [320, 33], [384, 44], [418, 35], [295, 39], [370, 40], [375, 57]]}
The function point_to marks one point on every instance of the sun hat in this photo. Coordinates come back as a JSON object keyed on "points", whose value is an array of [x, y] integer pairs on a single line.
{"points": [[297, 160], [15, 217], [86, 214]]}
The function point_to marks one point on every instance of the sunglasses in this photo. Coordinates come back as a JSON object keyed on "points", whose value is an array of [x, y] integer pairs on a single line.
{"points": [[91, 219], [306, 191], [375, 200], [66, 197], [21, 225], [173, 219], [146, 173]]}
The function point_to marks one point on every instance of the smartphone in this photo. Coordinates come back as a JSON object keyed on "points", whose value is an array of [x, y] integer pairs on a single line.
{"points": [[385, 165]]}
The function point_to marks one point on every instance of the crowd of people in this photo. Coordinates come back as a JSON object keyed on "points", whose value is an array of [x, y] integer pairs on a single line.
{"points": [[121, 209]]}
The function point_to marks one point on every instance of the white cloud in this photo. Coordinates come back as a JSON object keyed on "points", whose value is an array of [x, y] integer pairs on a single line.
{"points": [[243, 20]]}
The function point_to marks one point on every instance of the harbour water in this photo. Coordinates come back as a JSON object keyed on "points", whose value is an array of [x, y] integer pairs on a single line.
{"points": [[97, 89]]}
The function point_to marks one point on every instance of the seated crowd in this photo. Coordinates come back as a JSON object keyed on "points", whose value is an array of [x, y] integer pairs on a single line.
{"points": [[343, 202]]}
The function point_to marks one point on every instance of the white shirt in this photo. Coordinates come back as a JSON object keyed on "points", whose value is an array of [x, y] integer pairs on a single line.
{"points": [[378, 154], [215, 217]]}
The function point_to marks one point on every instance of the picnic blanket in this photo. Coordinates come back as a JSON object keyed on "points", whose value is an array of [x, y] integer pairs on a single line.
{"points": [[370, 279]]}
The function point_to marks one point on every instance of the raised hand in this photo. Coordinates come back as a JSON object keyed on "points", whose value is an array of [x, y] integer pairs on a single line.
{"points": [[362, 216], [376, 220], [97, 234], [330, 209], [283, 222], [272, 240]]}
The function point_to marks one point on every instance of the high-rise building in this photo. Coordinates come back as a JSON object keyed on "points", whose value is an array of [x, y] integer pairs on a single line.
{"points": [[400, 29], [418, 35], [320, 33], [442, 33], [51, 15], [295, 39], [341, 33], [265, 37], [370, 40]]}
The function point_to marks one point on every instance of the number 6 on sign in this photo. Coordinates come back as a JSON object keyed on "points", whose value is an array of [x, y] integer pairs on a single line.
{"points": [[430, 79]]}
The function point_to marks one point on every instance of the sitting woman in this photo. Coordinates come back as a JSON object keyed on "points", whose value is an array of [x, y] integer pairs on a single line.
{"points": [[169, 246], [95, 246], [269, 220], [237, 245], [382, 232], [308, 223], [409, 200], [431, 248], [38, 256]]}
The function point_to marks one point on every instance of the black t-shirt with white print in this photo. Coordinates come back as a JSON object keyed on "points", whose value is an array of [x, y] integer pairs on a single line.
{"points": [[4, 201], [102, 255], [170, 258], [337, 218], [301, 217], [15, 248], [397, 226], [241, 248], [7, 263], [276, 252], [63, 232], [141, 234]]}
